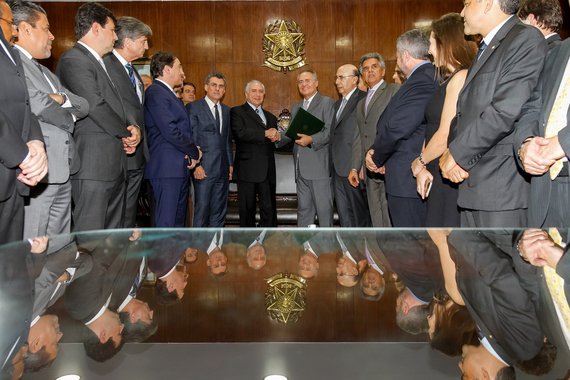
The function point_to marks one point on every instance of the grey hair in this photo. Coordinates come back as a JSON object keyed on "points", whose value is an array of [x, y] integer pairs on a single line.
{"points": [[215, 74], [509, 7], [252, 82], [312, 72], [368, 56], [415, 42], [25, 11], [132, 28]]}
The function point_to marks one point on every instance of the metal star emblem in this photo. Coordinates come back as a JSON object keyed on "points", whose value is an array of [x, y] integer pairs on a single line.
{"points": [[286, 302], [284, 41]]}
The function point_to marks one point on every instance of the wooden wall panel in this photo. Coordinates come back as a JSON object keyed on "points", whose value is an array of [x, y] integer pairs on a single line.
{"points": [[227, 36]]}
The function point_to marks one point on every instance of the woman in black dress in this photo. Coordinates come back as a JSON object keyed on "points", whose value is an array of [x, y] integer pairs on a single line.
{"points": [[452, 54]]}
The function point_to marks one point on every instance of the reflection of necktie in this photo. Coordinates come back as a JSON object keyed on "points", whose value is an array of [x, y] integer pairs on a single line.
{"points": [[217, 113], [131, 72], [368, 98], [341, 108], [482, 47], [138, 281], [557, 118], [555, 284]]}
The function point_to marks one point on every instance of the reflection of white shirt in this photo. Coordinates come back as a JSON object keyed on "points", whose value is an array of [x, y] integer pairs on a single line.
{"points": [[370, 259], [309, 249], [100, 313], [345, 251], [215, 243], [491, 350], [259, 239]]}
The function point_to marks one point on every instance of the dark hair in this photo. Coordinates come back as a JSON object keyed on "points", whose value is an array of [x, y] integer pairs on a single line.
{"points": [[548, 13], [89, 13], [215, 74], [542, 363], [137, 332], [452, 47], [163, 296], [158, 61], [132, 28], [188, 84], [96, 350], [34, 361], [25, 11], [509, 7], [368, 297], [506, 373], [453, 327]]}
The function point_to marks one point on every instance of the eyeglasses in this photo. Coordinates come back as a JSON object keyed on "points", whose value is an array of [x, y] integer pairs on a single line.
{"points": [[343, 77], [9, 22]]}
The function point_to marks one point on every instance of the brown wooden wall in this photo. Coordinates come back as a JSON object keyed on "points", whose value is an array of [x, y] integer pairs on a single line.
{"points": [[226, 36]]}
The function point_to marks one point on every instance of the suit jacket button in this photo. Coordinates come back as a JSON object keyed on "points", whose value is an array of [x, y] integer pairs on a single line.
{"points": [[27, 102], [66, 142]]}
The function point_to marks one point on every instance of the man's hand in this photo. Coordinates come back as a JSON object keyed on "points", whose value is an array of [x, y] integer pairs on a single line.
{"points": [[370, 165], [531, 154], [529, 245], [58, 98], [417, 166], [128, 149], [304, 140], [39, 244], [272, 134], [450, 169], [353, 178], [135, 138], [35, 166], [199, 173], [191, 162]]}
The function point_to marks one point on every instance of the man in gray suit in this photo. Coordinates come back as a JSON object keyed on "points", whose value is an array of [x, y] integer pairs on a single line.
{"points": [[493, 191], [131, 44], [351, 203], [49, 209], [368, 111], [311, 156], [108, 134], [543, 136]]}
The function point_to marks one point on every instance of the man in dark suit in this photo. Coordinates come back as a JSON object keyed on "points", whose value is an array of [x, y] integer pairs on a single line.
{"points": [[23, 160], [254, 131], [545, 15], [493, 191], [108, 134], [132, 42], [171, 143], [210, 123], [401, 131], [368, 111], [351, 203], [311, 156], [48, 211], [544, 140]]}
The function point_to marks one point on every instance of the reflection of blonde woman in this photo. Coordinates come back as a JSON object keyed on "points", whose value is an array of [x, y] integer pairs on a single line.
{"points": [[452, 55]]}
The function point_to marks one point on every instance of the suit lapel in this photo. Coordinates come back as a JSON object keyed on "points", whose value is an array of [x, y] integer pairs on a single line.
{"points": [[495, 42], [254, 116], [100, 69], [559, 65], [375, 97]]}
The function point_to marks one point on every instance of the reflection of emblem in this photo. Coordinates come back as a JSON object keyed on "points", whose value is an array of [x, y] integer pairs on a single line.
{"points": [[284, 46], [285, 297], [283, 120]]}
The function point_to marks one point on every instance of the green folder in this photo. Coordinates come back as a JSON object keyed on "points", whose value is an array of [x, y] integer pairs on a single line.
{"points": [[304, 123]]}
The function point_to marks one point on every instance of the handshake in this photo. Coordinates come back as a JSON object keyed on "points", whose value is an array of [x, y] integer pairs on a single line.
{"points": [[272, 134]]}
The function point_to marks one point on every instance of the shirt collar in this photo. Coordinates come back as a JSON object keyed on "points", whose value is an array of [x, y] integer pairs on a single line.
{"points": [[120, 58], [347, 97], [93, 52], [166, 84], [24, 51], [253, 107], [211, 104], [489, 37]]}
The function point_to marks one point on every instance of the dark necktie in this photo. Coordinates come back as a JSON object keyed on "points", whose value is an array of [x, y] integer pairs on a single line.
{"points": [[482, 47], [131, 72], [258, 112], [138, 281], [217, 113]]}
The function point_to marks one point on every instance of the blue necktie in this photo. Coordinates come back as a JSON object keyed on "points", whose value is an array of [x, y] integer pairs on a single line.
{"points": [[482, 47], [131, 72]]}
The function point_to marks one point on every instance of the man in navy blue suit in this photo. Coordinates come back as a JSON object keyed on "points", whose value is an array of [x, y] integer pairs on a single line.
{"points": [[171, 145], [400, 131], [210, 122]]}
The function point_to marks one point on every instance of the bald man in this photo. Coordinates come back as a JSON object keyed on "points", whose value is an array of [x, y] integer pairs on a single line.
{"points": [[351, 202]]}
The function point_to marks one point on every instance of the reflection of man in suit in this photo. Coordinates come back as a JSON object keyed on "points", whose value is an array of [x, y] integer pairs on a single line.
{"points": [[311, 156], [22, 154], [502, 309], [493, 192], [132, 37], [401, 131], [210, 122], [49, 209], [544, 140], [368, 111], [545, 15], [171, 144], [351, 203], [255, 253], [254, 131], [108, 134]]}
